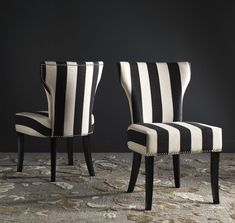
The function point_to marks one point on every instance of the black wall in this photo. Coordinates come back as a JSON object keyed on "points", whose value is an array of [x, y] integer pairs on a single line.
{"points": [[198, 31]]}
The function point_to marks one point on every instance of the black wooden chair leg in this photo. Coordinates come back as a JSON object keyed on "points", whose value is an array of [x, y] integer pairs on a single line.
{"points": [[149, 173], [215, 176], [86, 148], [70, 150], [176, 167], [20, 144], [134, 171], [53, 159]]}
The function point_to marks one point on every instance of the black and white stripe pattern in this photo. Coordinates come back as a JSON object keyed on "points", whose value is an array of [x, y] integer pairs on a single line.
{"points": [[155, 90], [36, 123], [70, 88], [33, 123], [174, 138], [155, 93]]}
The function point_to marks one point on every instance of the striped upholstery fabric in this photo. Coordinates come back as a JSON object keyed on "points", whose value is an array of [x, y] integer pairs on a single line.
{"points": [[155, 93], [33, 123], [174, 138], [155, 90], [36, 123], [70, 88]]}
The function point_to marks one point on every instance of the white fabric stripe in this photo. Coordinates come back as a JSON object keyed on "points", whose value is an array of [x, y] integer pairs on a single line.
{"points": [[86, 100], [166, 94], [71, 63], [217, 141], [151, 134], [101, 65], [92, 119], [137, 147], [196, 136], [49, 103], [43, 120], [126, 83], [174, 137], [145, 92], [26, 130], [70, 98], [51, 75], [185, 75]]}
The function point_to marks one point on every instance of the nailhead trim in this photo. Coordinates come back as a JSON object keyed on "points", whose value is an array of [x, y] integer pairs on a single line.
{"points": [[188, 152]]}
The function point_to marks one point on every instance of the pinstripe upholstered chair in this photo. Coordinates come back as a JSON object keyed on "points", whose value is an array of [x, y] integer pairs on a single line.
{"points": [[155, 93], [70, 88]]}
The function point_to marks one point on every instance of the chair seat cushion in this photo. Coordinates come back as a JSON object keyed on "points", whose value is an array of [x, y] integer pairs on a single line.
{"points": [[174, 138], [35, 123]]}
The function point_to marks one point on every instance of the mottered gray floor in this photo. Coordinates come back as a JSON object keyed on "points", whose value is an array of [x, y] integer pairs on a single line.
{"points": [[76, 197]]}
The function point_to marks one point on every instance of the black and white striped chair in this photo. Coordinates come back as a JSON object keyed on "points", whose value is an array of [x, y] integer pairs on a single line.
{"points": [[155, 93], [70, 88]]}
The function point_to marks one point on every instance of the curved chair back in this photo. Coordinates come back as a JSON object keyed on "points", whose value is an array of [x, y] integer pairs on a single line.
{"points": [[155, 91], [70, 89]]}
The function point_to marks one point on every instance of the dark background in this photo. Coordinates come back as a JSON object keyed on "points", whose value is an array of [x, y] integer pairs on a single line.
{"points": [[201, 32]]}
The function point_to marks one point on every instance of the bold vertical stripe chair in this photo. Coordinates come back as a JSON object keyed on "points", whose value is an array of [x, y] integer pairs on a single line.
{"points": [[70, 88], [155, 93]]}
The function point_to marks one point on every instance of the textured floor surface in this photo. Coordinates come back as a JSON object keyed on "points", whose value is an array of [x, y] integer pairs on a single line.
{"points": [[76, 197]]}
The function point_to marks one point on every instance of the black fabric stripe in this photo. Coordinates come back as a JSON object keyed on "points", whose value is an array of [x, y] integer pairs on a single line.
{"points": [[207, 136], [92, 128], [185, 137], [61, 79], [162, 139], [176, 89], [155, 92], [43, 76], [92, 98], [81, 77], [136, 94], [119, 72], [33, 124], [137, 137]]}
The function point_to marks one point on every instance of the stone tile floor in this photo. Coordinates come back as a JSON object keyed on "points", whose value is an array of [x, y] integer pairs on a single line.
{"points": [[76, 197]]}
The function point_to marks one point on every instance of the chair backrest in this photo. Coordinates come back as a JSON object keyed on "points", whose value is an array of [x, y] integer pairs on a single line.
{"points": [[155, 91], [70, 89]]}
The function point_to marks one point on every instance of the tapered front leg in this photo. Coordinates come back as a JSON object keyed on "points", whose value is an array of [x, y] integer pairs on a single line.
{"points": [[20, 144], [134, 171], [53, 159], [86, 148], [70, 150], [149, 173], [215, 176], [176, 166]]}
